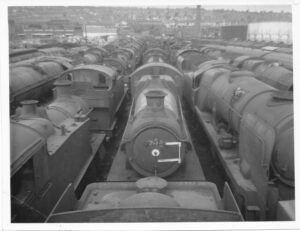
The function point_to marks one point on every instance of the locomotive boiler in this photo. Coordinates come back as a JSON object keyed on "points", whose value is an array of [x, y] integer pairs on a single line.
{"points": [[270, 72], [155, 140], [267, 53], [155, 55], [34, 79]]}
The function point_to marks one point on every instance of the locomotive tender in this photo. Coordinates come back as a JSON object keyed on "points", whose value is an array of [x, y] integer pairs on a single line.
{"points": [[150, 199]]}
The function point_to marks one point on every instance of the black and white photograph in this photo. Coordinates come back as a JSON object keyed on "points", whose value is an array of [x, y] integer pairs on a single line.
{"points": [[143, 113]]}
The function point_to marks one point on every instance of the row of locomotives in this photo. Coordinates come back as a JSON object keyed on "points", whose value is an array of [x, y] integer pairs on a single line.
{"points": [[94, 55], [250, 127], [156, 175], [157, 55], [265, 53], [271, 72], [62, 141], [33, 78], [17, 55], [281, 47], [128, 57]]}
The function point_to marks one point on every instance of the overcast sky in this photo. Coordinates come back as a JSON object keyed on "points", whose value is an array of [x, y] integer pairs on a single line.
{"points": [[257, 8], [275, 8]]}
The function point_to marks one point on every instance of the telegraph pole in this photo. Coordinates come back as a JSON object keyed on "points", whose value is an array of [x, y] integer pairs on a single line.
{"points": [[198, 21]]}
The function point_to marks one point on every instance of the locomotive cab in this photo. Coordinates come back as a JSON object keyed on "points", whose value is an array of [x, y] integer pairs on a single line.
{"points": [[102, 88], [38, 174]]}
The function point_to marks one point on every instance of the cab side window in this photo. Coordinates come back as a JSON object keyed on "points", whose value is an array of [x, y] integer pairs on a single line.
{"points": [[101, 82], [196, 82], [69, 76]]}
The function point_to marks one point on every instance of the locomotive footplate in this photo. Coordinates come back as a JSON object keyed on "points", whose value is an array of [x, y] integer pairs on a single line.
{"points": [[230, 160], [190, 170], [96, 142]]}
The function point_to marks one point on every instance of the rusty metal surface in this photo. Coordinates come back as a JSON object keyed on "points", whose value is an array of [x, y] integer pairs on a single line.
{"points": [[34, 80], [192, 195], [156, 119], [286, 211], [146, 215], [231, 161], [51, 175], [117, 63], [99, 68], [25, 142], [269, 72], [231, 99], [184, 51], [155, 69], [101, 202], [104, 97]]}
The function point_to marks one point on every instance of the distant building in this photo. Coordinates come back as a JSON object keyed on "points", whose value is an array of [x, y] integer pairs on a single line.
{"points": [[234, 32], [271, 31], [154, 27], [91, 31]]}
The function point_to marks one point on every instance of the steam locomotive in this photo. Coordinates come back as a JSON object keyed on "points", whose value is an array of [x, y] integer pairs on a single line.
{"points": [[250, 126], [33, 78]]}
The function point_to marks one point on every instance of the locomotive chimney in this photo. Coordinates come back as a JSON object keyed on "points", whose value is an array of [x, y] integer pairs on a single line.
{"points": [[29, 108], [155, 58], [63, 88], [155, 99]]}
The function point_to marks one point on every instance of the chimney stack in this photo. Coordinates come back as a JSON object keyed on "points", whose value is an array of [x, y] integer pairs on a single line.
{"points": [[155, 99], [29, 108], [198, 21], [63, 88]]}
